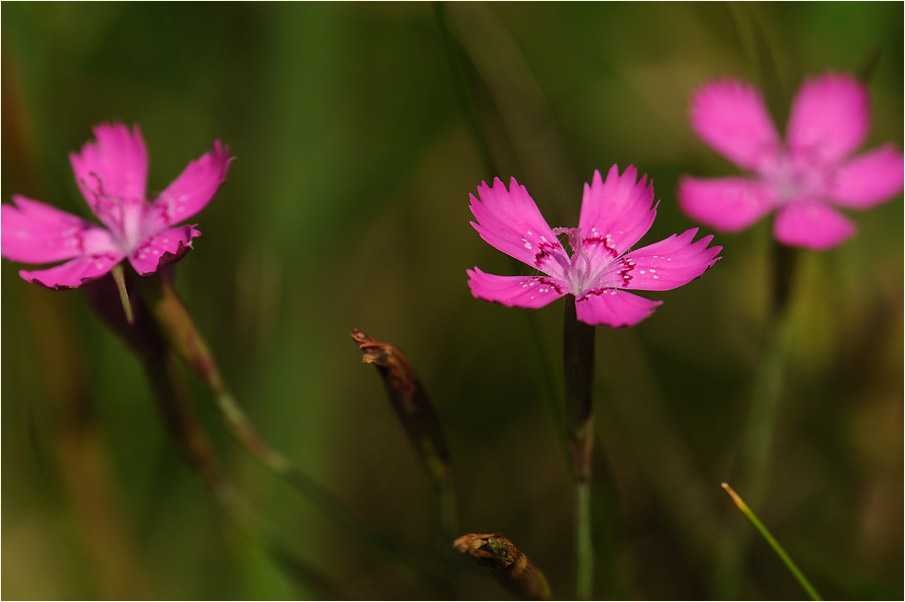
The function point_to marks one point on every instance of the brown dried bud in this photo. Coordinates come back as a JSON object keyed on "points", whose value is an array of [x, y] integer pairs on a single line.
{"points": [[411, 404], [512, 569]]}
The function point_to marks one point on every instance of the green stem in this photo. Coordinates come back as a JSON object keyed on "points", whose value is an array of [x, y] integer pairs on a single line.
{"points": [[455, 61], [767, 388], [762, 413], [763, 410], [175, 404], [179, 329], [449, 525], [584, 552], [578, 366], [765, 533], [449, 520]]}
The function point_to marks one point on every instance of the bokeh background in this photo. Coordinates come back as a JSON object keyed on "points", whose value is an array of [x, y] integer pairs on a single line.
{"points": [[347, 207]]}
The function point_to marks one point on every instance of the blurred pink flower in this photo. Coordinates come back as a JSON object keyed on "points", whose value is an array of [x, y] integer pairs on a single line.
{"points": [[112, 175], [614, 215], [801, 177]]}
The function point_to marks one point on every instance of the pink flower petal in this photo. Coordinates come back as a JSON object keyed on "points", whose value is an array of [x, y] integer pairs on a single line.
{"points": [[732, 118], [162, 249], [829, 119], [670, 263], [613, 307], [515, 291], [869, 179], [191, 191], [34, 232], [811, 224], [115, 166], [73, 273], [615, 213], [510, 221], [729, 204]]}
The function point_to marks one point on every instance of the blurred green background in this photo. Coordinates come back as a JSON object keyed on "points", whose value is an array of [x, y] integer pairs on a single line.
{"points": [[347, 207]]}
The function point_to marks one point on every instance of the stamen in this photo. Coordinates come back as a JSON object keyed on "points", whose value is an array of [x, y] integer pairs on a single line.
{"points": [[116, 213], [578, 275]]}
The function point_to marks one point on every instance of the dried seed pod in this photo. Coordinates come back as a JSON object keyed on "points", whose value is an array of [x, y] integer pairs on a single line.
{"points": [[511, 568], [411, 404]]}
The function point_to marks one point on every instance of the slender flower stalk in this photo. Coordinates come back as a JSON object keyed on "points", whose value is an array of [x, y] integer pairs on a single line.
{"points": [[578, 368], [757, 438], [804, 176], [767, 387], [417, 416], [173, 400], [187, 343], [509, 566], [142, 335], [765, 533]]}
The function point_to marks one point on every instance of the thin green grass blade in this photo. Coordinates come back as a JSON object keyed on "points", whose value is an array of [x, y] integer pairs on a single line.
{"points": [[773, 543]]}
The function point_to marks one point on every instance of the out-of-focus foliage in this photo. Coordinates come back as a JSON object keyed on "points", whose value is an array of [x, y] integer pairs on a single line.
{"points": [[347, 207]]}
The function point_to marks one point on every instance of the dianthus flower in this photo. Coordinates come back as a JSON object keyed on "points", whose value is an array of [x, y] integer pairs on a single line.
{"points": [[801, 177], [112, 174], [615, 214]]}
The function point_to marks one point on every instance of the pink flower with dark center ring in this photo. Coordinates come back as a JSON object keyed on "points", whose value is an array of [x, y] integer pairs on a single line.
{"points": [[615, 214], [112, 174], [802, 177]]}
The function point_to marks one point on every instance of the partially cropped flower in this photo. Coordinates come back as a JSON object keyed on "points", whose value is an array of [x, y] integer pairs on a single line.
{"points": [[615, 214], [801, 177], [112, 174]]}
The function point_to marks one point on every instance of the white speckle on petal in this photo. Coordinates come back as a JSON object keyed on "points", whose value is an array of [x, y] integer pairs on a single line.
{"points": [[655, 276], [642, 271]]}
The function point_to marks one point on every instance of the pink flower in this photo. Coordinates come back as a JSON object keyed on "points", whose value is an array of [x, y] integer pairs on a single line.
{"points": [[112, 175], [614, 215], [801, 177]]}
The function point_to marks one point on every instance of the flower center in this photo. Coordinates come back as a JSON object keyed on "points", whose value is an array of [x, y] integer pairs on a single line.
{"points": [[579, 271], [122, 216], [794, 177]]}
